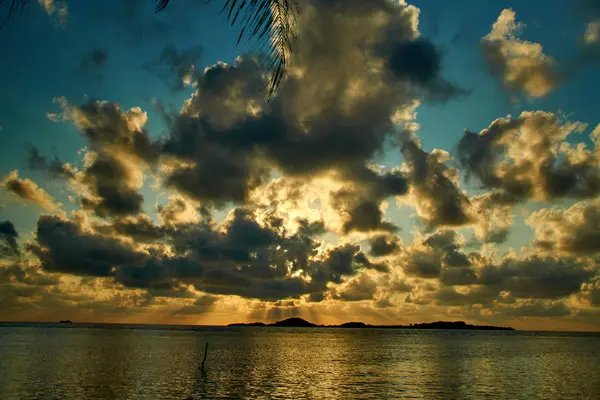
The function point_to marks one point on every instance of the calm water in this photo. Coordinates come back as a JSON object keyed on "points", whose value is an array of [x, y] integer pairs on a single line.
{"points": [[129, 362]]}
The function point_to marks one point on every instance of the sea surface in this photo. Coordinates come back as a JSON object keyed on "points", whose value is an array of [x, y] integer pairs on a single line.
{"points": [[84, 361]]}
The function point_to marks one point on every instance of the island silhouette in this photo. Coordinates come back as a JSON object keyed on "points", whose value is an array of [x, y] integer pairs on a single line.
{"points": [[302, 323]]}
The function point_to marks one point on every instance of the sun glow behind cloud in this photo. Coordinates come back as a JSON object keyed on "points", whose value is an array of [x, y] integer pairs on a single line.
{"points": [[272, 209]]}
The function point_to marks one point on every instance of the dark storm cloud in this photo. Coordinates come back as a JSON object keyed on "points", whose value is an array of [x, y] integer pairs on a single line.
{"points": [[241, 258], [140, 228], [8, 240], [420, 61], [536, 276], [417, 60], [545, 166], [458, 276], [332, 112], [62, 246], [174, 67]]}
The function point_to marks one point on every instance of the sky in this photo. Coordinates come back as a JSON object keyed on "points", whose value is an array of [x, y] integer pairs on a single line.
{"points": [[419, 162]]}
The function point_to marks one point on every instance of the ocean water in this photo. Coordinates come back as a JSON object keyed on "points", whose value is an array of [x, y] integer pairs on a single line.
{"points": [[79, 361]]}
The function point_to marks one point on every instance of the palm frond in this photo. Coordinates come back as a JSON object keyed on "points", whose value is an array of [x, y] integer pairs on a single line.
{"points": [[271, 22], [15, 9]]}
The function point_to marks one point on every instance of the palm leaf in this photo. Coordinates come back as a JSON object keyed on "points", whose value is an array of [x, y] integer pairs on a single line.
{"points": [[271, 22], [15, 9]]}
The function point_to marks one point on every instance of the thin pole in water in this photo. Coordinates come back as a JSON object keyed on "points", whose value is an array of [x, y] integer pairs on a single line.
{"points": [[205, 354]]}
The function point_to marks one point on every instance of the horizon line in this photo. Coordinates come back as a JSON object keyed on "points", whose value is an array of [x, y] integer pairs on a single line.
{"points": [[266, 323]]}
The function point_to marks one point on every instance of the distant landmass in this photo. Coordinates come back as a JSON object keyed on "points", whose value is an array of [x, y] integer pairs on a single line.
{"points": [[301, 323], [65, 321]]}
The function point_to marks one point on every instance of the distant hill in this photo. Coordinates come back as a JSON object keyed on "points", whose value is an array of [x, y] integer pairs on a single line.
{"points": [[301, 323]]}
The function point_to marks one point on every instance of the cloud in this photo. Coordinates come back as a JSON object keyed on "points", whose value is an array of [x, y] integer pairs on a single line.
{"points": [[383, 245], [361, 288], [180, 210], [438, 255], [591, 292], [239, 257], [55, 168], [591, 9], [537, 308], [333, 112], [29, 191], [521, 65], [529, 157], [57, 9], [568, 231], [537, 277], [176, 68], [435, 188], [592, 33], [8, 240], [121, 152], [21, 274], [201, 305]]}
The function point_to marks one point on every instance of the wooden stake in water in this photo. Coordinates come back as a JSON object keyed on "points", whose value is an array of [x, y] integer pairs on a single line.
{"points": [[205, 354]]}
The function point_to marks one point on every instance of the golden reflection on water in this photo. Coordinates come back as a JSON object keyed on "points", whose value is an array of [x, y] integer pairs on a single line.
{"points": [[259, 363]]}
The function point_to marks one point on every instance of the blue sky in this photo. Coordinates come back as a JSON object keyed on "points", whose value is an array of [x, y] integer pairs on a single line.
{"points": [[43, 59]]}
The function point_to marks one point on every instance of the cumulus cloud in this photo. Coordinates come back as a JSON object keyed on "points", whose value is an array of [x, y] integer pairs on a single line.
{"points": [[435, 188], [529, 157], [541, 277], [120, 154], [383, 245], [362, 288], [457, 278], [300, 172], [438, 256], [333, 112], [29, 191], [573, 231], [239, 257], [521, 65], [8, 240]]}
